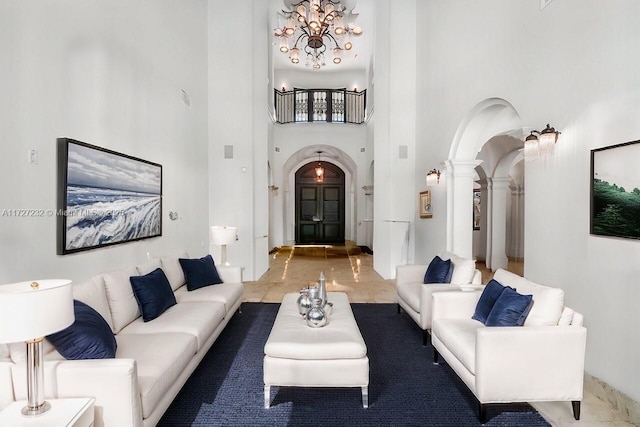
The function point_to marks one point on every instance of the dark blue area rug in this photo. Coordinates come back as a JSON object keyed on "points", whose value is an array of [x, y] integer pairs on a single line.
{"points": [[405, 387]]}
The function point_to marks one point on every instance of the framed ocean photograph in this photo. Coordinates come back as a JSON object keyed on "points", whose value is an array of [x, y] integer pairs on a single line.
{"points": [[615, 191], [105, 197]]}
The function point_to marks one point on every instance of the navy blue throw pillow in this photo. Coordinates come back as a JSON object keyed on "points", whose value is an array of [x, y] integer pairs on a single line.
{"points": [[200, 272], [88, 337], [153, 293], [490, 295], [439, 271], [511, 309]]}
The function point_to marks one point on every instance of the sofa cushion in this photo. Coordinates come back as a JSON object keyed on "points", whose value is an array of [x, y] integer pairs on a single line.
{"points": [[160, 361], [459, 336], [510, 309], [88, 337], [548, 302], [122, 303], [439, 271], [463, 270], [199, 272], [488, 298], [153, 294], [92, 292], [148, 266], [198, 319], [173, 271], [411, 293], [226, 293], [567, 317]]}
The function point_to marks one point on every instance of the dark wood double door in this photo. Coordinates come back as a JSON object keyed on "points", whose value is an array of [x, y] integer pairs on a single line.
{"points": [[320, 205]]}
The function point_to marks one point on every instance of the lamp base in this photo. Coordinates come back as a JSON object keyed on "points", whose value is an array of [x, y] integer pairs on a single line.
{"points": [[29, 411]]}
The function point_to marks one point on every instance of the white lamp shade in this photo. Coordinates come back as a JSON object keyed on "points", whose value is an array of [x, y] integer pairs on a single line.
{"points": [[547, 144], [28, 313], [222, 235]]}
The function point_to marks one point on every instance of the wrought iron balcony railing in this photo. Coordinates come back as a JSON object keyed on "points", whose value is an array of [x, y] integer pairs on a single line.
{"points": [[320, 105]]}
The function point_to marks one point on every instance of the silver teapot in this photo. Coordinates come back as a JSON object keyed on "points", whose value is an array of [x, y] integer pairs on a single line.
{"points": [[304, 300]]}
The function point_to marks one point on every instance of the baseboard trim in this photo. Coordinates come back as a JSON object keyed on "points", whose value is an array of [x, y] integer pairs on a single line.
{"points": [[617, 399]]}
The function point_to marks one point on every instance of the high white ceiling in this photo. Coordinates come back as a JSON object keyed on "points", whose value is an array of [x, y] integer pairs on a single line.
{"points": [[358, 58]]}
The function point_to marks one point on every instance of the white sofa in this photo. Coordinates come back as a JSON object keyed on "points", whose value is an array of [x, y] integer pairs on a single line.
{"points": [[543, 360], [414, 297], [153, 360]]}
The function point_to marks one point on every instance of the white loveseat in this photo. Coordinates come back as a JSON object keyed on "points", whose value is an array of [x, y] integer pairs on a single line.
{"points": [[543, 360], [414, 296], [153, 360]]}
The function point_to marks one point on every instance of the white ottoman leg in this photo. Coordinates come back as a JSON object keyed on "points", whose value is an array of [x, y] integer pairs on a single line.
{"points": [[365, 397], [267, 396]]}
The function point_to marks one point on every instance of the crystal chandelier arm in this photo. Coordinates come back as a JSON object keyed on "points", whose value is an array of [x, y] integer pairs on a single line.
{"points": [[301, 36], [334, 39]]}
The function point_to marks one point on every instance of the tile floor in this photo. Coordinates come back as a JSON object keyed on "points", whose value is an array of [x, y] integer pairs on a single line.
{"points": [[295, 268]]}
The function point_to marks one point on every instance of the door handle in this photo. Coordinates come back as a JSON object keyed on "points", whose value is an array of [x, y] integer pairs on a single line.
{"points": [[316, 219]]}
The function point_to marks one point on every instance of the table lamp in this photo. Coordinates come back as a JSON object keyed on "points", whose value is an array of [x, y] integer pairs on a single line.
{"points": [[28, 312], [223, 236]]}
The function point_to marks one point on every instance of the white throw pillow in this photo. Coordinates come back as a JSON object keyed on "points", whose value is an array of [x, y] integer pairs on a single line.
{"points": [[567, 317], [463, 270], [548, 302]]}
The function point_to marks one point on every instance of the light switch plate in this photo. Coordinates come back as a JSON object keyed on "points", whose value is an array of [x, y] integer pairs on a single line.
{"points": [[33, 156]]}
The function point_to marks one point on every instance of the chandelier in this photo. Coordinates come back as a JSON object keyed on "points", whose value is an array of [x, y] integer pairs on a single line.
{"points": [[315, 26]]}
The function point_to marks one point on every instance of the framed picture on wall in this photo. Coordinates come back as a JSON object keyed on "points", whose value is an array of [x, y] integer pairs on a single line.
{"points": [[615, 191], [476, 209], [105, 198], [424, 203]]}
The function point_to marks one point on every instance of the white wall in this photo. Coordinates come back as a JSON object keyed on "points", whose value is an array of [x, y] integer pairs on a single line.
{"points": [[396, 197], [574, 65], [340, 144], [108, 73], [239, 90]]}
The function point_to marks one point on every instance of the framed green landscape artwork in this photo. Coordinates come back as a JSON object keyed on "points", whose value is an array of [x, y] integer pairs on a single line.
{"points": [[615, 190]]}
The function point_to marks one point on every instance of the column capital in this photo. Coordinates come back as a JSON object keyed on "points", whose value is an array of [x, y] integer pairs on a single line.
{"points": [[461, 167], [499, 182]]}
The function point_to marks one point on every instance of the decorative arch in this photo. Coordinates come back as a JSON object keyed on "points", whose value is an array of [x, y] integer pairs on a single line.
{"points": [[329, 154], [487, 119]]}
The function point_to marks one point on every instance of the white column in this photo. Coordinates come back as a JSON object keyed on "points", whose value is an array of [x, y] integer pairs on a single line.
{"points": [[459, 177], [517, 221], [488, 222], [500, 186]]}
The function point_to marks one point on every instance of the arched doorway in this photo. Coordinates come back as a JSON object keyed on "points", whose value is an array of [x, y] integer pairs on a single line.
{"points": [[319, 206], [489, 118]]}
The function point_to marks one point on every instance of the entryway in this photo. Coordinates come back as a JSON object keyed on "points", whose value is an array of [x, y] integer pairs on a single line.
{"points": [[319, 205]]}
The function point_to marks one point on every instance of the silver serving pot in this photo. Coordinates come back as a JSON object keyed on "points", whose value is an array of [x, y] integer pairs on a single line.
{"points": [[304, 301], [316, 316]]}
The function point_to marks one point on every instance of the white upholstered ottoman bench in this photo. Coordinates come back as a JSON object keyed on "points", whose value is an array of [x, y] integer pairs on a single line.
{"points": [[297, 355]]}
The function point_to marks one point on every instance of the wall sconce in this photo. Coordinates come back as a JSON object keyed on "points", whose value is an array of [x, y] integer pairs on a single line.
{"points": [[433, 177], [544, 145], [223, 236]]}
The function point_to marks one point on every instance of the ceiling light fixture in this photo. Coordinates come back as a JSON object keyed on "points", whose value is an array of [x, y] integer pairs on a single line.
{"points": [[314, 25], [319, 169]]}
